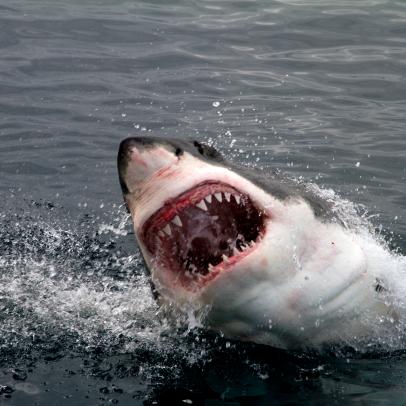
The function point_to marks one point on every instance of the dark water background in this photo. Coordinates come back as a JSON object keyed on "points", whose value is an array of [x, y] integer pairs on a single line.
{"points": [[315, 88]]}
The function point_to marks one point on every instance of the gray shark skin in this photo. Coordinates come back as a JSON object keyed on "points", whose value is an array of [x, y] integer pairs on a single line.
{"points": [[253, 255]]}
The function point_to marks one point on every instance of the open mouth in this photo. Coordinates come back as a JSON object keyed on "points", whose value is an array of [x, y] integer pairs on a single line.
{"points": [[202, 231]]}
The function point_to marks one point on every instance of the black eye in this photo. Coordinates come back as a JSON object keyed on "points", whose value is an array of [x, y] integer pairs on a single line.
{"points": [[178, 151], [199, 147]]}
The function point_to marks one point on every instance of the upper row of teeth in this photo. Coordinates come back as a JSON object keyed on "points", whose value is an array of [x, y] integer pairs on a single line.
{"points": [[201, 205], [219, 197]]}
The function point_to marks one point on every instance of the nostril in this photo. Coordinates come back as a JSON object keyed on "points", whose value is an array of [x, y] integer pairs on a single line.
{"points": [[133, 150], [126, 148]]}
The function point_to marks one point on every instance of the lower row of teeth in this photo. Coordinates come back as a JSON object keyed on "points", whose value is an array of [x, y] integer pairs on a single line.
{"points": [[193, 271], [201, 205]]}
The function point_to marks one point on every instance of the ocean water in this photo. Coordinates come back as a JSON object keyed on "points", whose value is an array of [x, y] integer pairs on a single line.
{"points": [[314, 88]]}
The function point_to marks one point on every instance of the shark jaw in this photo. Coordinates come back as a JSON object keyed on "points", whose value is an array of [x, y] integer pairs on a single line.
{"points": [[203, 232]]}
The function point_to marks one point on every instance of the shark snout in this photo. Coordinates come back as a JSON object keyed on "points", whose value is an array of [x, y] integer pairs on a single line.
{"points": [[139, 159]]}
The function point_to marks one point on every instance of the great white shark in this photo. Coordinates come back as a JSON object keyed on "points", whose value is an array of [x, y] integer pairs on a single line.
{"points": [[257, 256]]}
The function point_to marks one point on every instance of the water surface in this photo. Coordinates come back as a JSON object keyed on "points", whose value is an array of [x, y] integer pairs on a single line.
{"points": [[314, 88]]}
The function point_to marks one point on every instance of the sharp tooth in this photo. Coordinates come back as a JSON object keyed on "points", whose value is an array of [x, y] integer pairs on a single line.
{"points": [[227, 195], [176, 220], [224, 258], [237, 199], [235, 251], [161, 233], [168, 230], [252, 243], [208, 198], [202, 205], [210, 267], [218, 196]]}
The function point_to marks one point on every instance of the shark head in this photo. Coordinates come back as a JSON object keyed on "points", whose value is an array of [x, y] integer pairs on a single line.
{"points": [[260, 255], [194, 218]]}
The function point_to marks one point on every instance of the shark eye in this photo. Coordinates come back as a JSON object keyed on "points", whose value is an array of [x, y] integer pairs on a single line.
{"points": [[178, 151]]}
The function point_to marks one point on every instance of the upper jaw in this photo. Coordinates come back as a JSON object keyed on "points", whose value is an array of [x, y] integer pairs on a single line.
{"points": [[155, 191]]}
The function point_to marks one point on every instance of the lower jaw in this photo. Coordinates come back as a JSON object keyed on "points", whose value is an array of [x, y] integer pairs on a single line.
{"points": [[177, 281]]}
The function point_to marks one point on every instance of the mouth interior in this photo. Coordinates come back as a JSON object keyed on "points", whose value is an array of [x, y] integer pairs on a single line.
{"points": [[204, 227]]}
